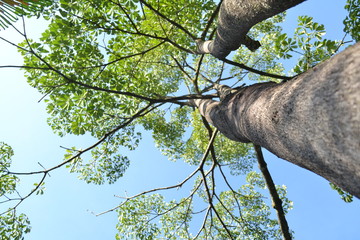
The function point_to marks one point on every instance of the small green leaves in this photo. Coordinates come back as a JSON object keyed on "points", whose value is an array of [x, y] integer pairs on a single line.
{"points": [[7, 181], [307, 42], [135, 218], [6, 153], [12, 226], [10, 10], [39, 188], [352, 21], [148, 217], [105, 164], [284, 45], [347, 197], [63, 13]]}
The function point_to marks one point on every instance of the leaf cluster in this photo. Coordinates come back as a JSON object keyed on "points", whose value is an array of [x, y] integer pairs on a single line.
{"points": [[12, 225], [307, 42], [10, 10], [244, 212], [352, 21]]}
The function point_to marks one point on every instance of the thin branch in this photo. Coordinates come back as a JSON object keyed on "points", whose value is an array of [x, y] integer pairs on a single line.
{"points": [[197, 73], [168, 19], [182, 68], [193, 69], [276, 201], [23, 67], [340, 44], [88, 86], [137, 33], [74, 157], [240, 65], [127, 16], [13, 44], [213, 207], [202, 162], [80, 152], [208, 210], [27, 196], [124, 57], [215, 163], [211, 20]]}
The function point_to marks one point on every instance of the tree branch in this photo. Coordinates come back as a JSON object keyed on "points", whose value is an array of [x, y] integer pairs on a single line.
{"points": [[240, 65], [137, 32], [168, 19], [236, 18], [211, 20], [276, 201], [199, 168]]}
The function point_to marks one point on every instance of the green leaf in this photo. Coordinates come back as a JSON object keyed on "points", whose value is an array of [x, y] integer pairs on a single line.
{"points": [[345, 196]]}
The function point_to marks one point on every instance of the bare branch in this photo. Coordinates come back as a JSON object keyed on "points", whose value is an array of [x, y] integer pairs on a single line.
{"points": [[276, 200], [240, 65], [24, 67]]}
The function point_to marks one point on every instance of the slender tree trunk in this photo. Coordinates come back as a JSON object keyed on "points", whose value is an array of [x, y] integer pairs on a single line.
{"points": [[312, 121], [236, 17]]}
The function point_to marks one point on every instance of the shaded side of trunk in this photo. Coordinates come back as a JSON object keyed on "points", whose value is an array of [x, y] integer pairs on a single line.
{"points": [[312, 121], [236, 17]]}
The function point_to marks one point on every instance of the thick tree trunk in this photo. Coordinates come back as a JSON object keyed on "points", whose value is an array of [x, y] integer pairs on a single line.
{"points": [[236, 17], [312, 121]]}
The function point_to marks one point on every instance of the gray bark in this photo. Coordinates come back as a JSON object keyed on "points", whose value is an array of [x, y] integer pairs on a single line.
{"points": [[236, 17], [312, 121]]}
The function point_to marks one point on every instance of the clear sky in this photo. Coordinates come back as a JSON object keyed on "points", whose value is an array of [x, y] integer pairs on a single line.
{"points": [[65, 211]]}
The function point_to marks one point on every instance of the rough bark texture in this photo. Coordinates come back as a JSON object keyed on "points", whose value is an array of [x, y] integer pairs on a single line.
{"points": [[312, 121], [236, 17]]}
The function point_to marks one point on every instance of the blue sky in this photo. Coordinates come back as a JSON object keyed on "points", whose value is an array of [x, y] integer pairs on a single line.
{"points": [[66, 209]]}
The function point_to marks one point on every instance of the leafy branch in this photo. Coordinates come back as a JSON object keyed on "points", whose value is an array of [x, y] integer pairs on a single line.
{"points": [[172, 22], [74, 158]]}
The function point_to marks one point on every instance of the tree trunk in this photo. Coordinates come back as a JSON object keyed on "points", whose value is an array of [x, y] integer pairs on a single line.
{"points": [[236, 17], [312, 121]]}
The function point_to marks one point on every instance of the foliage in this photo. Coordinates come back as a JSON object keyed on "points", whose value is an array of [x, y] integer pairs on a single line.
{"points": [[8, 182], [12, 225], [245, 211], [308, 42], [10, 10], [352, 21], [347, 197]]}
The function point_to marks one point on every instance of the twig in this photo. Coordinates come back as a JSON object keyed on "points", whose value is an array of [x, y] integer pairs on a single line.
{"points": [[240, 65], [199, 168], [80, 152]]}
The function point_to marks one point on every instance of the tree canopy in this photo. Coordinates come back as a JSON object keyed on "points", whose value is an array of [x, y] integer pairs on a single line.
{"points": [[115, 69]]}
